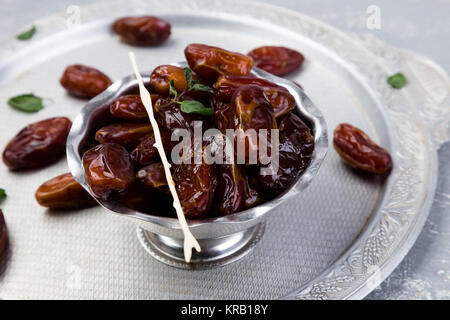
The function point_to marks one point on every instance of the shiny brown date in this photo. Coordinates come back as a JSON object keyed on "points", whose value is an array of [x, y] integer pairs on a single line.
{"points": [[195, 185], [161, 76], [83, 81], [125, 134], [63, 192], [130, 107], [295, 150], [142, 31], [146, 153], [230, 191], [277, 60], [153, 177], [359, 151], [252, 196], [108, 168], [279, 97], [38, 144], [170, 117], [210, 62], [222, 110], [3, 236], [251, 110]]}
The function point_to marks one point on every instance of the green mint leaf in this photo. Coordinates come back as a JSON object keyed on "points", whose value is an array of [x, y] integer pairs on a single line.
{"points": [[26, 103], [2, 194], [188, 77], [27, 34], [172, 90], [192, 106], [201, 87], [397, 81]]}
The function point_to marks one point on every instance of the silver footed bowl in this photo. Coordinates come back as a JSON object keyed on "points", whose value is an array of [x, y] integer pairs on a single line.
{"points": [[223, 240]]}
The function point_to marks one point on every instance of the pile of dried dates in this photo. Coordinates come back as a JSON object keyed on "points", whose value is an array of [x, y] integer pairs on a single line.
{"points": [[122, 162], [218, 92]]}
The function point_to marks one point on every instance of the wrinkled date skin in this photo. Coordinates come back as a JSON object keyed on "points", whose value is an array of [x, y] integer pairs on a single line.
{"points": [[63, 192], [195, 185], [230, 191], [142, 31], [221, 112], [130, 107], [211, 62], [250, 110], [146, 153], [125, 134], [252, 196], [277, 60], [3, 236], [83, 81], [279, 97], [170, 117], [161, 76], [359, 151], [295, 151], [108, 168], [154, 177], [233, 192], [37, 145]]}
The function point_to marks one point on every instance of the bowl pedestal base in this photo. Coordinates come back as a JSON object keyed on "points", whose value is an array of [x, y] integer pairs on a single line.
{"points": [[215, 252]]}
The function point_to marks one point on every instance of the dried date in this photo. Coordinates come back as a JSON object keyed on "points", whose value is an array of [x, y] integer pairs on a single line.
{"points": [[279, 97], [125, 134], [359, 151], [3, 236], [146, 152], [142, 31], [295, 151], [108, 168], [130, 107], [83, 81], [230, 191], [250, 110], [169, 116], [277, 60], [63, 192], [38, 144], [210, 62], [161, 76], [195, 185], [154, 177]]}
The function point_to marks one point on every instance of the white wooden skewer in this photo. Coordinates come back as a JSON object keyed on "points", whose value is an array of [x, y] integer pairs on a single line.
{"points": [[189, 240]]}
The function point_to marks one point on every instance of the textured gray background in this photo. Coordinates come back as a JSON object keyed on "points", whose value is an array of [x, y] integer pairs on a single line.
{"points": [[421, 26]]}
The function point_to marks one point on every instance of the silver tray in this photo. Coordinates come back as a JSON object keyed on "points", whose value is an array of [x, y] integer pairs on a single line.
{"points": [[338, 239]]}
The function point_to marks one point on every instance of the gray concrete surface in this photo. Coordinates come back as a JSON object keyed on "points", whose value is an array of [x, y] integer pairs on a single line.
{"points": [[421, 26]]}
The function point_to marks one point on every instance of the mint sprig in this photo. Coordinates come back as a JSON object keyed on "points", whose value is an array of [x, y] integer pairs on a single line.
{"points": [[188, 76], [27, 34], [172, 89], [190, 106], [193, 106], [26, 103], [397, 81], [201, 87], [2, 194]]}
